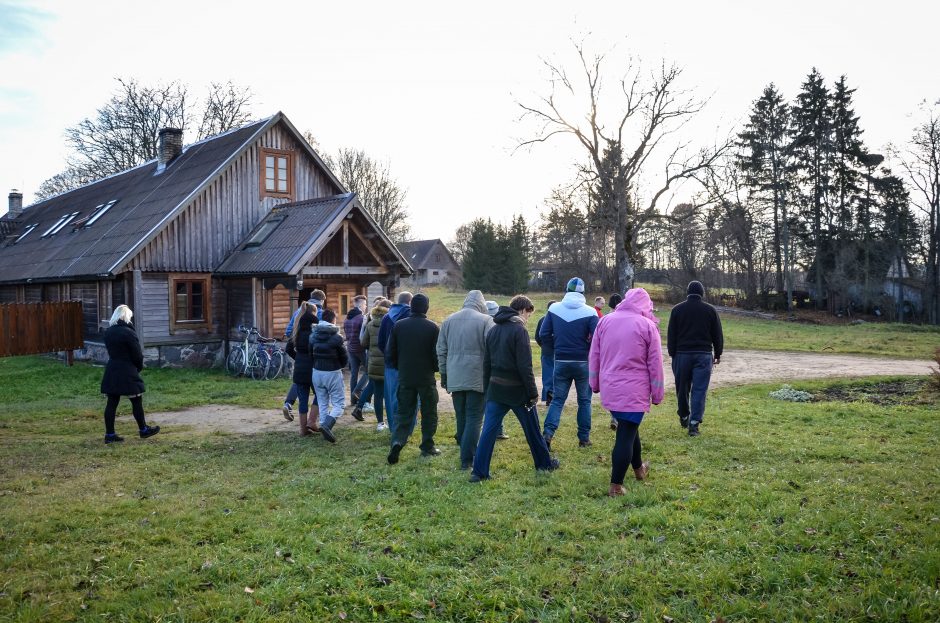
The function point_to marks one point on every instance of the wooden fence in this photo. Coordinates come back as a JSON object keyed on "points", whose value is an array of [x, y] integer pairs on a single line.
{"points": [[34, 328]]}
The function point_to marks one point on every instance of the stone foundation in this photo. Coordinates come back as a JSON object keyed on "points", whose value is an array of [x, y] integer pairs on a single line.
{"points": [[202, 355]]}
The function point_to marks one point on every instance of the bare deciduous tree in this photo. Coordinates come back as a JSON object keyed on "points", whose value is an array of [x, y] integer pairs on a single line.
{"points": [[650, 109], [123, 133], [378, 191]]}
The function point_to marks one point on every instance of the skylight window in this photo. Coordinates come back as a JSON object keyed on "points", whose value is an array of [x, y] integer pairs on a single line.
{"points": [[99, 212], [263, 233], [65, 220], [26, 232]]}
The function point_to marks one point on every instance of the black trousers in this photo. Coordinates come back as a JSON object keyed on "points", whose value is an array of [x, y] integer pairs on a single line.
{"points": [[404, 421], [110, 412], [626, 451]]}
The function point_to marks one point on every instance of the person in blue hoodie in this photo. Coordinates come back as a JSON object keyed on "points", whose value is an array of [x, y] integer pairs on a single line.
{"points": [[568, 328], [398, 311]]}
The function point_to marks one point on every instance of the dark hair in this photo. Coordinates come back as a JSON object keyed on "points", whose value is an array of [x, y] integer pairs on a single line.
{"points": [[614, 300], [550, 303], [520, 302], [328, 315]]}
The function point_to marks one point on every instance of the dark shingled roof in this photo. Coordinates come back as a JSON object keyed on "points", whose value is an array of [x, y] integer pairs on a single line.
{"points": [[298, 231], [144, 201], [416, 251]]}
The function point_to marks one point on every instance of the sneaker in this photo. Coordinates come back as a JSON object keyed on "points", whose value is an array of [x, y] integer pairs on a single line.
{"points": [[149, 431], [288, 412], [642, 471], [693, 429], [502, 436], [552, 465], [368, 408], [357, 414], [381, 426], [435, 451], [113, 438], [476, 478], [585, 443], [393, 453], [684, 421]]}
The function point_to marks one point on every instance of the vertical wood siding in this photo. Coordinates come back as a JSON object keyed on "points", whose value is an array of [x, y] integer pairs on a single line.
{"points": [[220, 217], [154, 306]]}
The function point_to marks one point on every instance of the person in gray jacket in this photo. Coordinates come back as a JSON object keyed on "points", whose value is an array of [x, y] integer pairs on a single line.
{"points": [[460, 347]]}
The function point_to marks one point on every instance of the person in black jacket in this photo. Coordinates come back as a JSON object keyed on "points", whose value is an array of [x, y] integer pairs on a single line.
{"points": [[329, 358], [694, 334], [510, 384], [412, 350], [548, 359], [299, 349], [122, 374]]}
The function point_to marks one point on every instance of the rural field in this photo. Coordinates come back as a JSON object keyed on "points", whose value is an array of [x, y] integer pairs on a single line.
{"points": [[781, 511]]}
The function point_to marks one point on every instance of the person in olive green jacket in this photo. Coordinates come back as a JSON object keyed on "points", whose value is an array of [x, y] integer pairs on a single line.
{"points": [[369, 337]]}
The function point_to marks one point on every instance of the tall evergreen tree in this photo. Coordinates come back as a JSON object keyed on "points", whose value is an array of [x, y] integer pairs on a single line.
{"points": [[813, 149], [764, 159]]}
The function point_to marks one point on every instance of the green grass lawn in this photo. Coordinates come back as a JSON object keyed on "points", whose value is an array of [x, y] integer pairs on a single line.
{"points": [[878, 339], [779, 512]]}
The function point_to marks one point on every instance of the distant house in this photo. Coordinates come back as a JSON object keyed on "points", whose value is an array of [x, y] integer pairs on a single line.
{"points": [[231, 230], [910, 288], [432, 262]]}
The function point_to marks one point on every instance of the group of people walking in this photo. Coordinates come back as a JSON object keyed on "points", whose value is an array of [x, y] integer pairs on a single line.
{"points": [[484, 358]]}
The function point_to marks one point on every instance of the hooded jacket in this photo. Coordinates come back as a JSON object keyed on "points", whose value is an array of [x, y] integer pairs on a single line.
{"points": [[395, 313], [411, 350], [326, 348], [461, 344], [125, 361], [626, 359], [507, 363], [568, 327], [351, 327], [370, 342]]}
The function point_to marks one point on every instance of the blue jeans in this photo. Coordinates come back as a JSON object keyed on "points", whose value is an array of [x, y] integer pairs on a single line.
{"points": [[493, 420], [548, 372], [365, 383], [567, 372], [468, 411], [375, 389], [692, 371], [355, 365]]}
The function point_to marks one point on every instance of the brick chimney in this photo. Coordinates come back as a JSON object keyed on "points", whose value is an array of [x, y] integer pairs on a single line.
{"points": [[16, 203], [169, 146]]}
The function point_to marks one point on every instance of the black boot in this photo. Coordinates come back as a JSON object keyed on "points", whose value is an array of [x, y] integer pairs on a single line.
{"points": [[112, 438], [357, 413], [326, 429]]}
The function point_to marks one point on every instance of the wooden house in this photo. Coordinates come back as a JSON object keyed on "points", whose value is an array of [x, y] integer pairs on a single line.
{"points": [[234, 229], [432, 263]]}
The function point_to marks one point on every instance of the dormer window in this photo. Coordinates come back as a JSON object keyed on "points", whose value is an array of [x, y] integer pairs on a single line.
{"points": [[26, 232], [263, 232], [277, 178]]}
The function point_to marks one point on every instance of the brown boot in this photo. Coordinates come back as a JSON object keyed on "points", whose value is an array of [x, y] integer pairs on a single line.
{"points": [[642, 471], [303, 424], [616, 490]]}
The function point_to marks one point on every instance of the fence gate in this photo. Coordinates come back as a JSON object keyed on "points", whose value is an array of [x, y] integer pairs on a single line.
{"points": [[35, 328]]}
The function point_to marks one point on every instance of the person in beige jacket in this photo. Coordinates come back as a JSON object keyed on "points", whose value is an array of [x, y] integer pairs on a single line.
{"points": [[460, 348]]}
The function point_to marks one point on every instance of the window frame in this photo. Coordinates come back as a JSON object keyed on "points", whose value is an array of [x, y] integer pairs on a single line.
{"points": [[264, 152], [205, 280]]}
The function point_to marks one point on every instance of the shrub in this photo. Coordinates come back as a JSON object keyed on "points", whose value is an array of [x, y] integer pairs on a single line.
{"points": [[789, 394]]}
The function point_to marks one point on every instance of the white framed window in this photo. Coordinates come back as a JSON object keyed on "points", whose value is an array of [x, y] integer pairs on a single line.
{"points": [[99, 212], [26, 232]]}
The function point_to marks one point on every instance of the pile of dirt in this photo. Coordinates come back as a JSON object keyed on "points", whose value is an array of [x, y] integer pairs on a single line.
{"points": [[885, 393]]}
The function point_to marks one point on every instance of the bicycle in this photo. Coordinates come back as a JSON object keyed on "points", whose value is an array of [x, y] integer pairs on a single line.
{"points": [[275, 356], [246, 361]]}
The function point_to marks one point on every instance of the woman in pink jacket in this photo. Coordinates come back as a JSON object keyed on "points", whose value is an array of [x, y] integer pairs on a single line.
{"points": [[626, 367]]}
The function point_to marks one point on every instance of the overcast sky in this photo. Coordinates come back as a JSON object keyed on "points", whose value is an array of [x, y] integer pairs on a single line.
{"points": [[432, 87]]}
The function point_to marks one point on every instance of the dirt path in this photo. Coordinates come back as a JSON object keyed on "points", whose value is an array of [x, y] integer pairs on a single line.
{"points": [[738, 367]]}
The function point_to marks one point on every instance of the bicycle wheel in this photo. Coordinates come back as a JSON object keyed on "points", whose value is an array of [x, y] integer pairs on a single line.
{"points": [[258, 363], [235, 364], [276, 365]]}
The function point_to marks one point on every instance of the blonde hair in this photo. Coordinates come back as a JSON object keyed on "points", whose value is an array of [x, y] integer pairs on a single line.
{"points": [[123, 312], [304, 308]]}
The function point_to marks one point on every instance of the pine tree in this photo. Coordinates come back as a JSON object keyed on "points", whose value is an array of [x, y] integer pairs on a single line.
{"points": [[765, 162], [813, 148]]}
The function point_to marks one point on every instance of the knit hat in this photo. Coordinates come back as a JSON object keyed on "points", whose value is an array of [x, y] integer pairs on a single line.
{"points": [[492, 307], [575, 284], [696, 287], [420, 304]]}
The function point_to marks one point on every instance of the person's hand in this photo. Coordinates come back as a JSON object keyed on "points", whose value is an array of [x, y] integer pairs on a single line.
{"points": [[716, 361], [531, 404], [444, 381]]}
